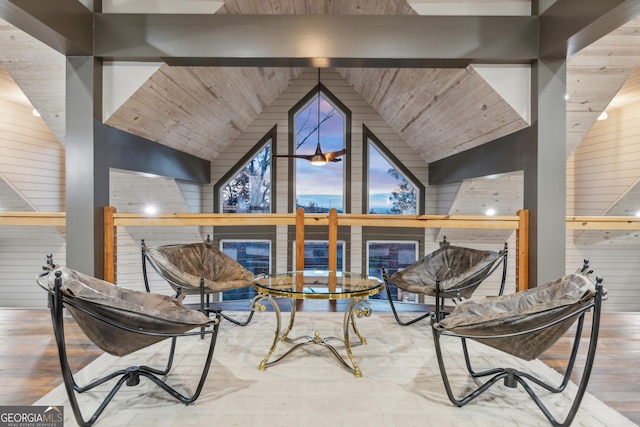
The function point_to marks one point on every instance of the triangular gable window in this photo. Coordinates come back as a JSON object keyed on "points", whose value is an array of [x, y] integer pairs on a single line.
{"points": [[247, 187]]}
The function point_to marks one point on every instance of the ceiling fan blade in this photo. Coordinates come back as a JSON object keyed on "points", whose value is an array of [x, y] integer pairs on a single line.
{"points": [[296, 156], [332, 156]]}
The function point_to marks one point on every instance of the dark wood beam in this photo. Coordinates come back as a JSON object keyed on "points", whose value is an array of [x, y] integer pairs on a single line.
{"points": [[502, 155], [64, 25], [134, 153], [316, 40], [569, 26]]}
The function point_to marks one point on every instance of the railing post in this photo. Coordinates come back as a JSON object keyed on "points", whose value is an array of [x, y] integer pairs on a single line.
{"points": [[110, 233], [333, 248], [299, 245], [522, 251]]}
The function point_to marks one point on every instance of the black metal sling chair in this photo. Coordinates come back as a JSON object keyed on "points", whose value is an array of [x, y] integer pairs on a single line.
{"points": [[459, 270], [197, 269], [121, 321], [524, 325]]}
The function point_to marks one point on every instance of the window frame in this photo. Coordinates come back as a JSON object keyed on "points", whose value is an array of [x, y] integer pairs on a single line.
{"points": [[221, 242], [269, 137], [417, 245], [344, 252], [347, 144], [368, 138]]}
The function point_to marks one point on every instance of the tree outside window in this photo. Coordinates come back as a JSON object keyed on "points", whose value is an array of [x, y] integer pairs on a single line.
{"points": [[389, 190], [250, 190]]}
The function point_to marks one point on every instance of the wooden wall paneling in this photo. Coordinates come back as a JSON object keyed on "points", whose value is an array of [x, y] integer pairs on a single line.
{"points": [[607, 163], [617, 263], [595, 75], [132, 193], [39, 71], [25, 141], [22, 256]]}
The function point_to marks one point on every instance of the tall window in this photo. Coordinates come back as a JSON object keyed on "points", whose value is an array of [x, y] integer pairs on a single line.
{"points": [[319, 188], [390, 192], [249, 190], [393, 256], [254, 255], [390, 188], [316, 255]]}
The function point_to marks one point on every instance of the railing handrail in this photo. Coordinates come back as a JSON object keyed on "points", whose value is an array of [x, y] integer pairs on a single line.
{"points": [[58, 219], [519, 223], [51, 219]]}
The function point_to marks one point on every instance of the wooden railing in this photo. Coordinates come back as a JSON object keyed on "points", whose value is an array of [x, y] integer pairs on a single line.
{"points": [[332, 220], [46, 219], [518, 223], [623, 223]]}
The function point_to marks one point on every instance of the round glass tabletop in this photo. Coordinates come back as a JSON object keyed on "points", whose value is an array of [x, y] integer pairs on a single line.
{"points": [[318, 284]]}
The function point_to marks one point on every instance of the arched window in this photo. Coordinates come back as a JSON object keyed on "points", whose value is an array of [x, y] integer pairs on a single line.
{"points": [[247, 186], [391, 189], [320, 119]]}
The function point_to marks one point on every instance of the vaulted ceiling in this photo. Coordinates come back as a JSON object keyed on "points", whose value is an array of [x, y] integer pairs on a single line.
{"points": [[437, 111]]}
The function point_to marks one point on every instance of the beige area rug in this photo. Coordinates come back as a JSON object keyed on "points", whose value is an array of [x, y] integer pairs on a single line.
{"points": [[400, 384]]}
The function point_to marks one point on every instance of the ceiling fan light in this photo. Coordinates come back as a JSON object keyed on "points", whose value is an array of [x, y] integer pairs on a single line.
{"points": [[318, 160]]}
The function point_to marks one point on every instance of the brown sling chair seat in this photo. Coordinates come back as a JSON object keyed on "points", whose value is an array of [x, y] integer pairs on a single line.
{"points": [[524, 325], [197, 269], [121, 321], [459, 271]]}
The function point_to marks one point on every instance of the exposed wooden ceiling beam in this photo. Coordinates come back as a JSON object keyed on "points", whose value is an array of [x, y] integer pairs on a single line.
{"points": [[64, 25], [316, 40], [569, 26], [499, 156]]}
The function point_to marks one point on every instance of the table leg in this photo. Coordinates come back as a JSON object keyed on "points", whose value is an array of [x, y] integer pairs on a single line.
{"points": [[358, 307], [361, 308], [257, 305], [292, 319]]}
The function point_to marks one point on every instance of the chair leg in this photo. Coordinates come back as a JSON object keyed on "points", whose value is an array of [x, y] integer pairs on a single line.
{"points": [[499, 374], [130, 375], [205, 308], [150, 373], [244, 322], [395, 312], [513, 377]]}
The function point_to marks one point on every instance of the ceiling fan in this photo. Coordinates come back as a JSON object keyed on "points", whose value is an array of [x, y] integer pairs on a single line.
{"points": [[318, 158]]}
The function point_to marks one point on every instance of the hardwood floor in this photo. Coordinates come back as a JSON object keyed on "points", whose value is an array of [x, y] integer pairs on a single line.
{"points": [[29, 366]]}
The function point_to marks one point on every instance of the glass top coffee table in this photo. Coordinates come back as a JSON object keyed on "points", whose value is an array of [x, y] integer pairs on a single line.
{"points": [[317, 285]]}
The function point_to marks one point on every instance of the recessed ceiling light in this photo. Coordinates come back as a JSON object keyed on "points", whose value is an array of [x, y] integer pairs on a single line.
{"points": [[35, 113], [490, 212], [603, 116], [150, 210], [638, 214]]}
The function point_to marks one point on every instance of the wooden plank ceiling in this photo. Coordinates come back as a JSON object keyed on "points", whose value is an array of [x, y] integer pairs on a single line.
{"points": [[438, 112]]}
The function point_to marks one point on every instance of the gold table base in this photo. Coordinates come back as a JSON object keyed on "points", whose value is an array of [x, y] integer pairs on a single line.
{"points": [[357, 307]]}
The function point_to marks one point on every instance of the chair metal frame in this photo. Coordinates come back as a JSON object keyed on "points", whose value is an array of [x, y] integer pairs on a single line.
{"points": [[129, 376], [205, 301], [440, 300], [512, 377]]}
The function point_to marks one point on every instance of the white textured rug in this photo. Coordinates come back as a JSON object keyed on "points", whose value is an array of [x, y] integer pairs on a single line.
{"points": [[400, 384]]}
